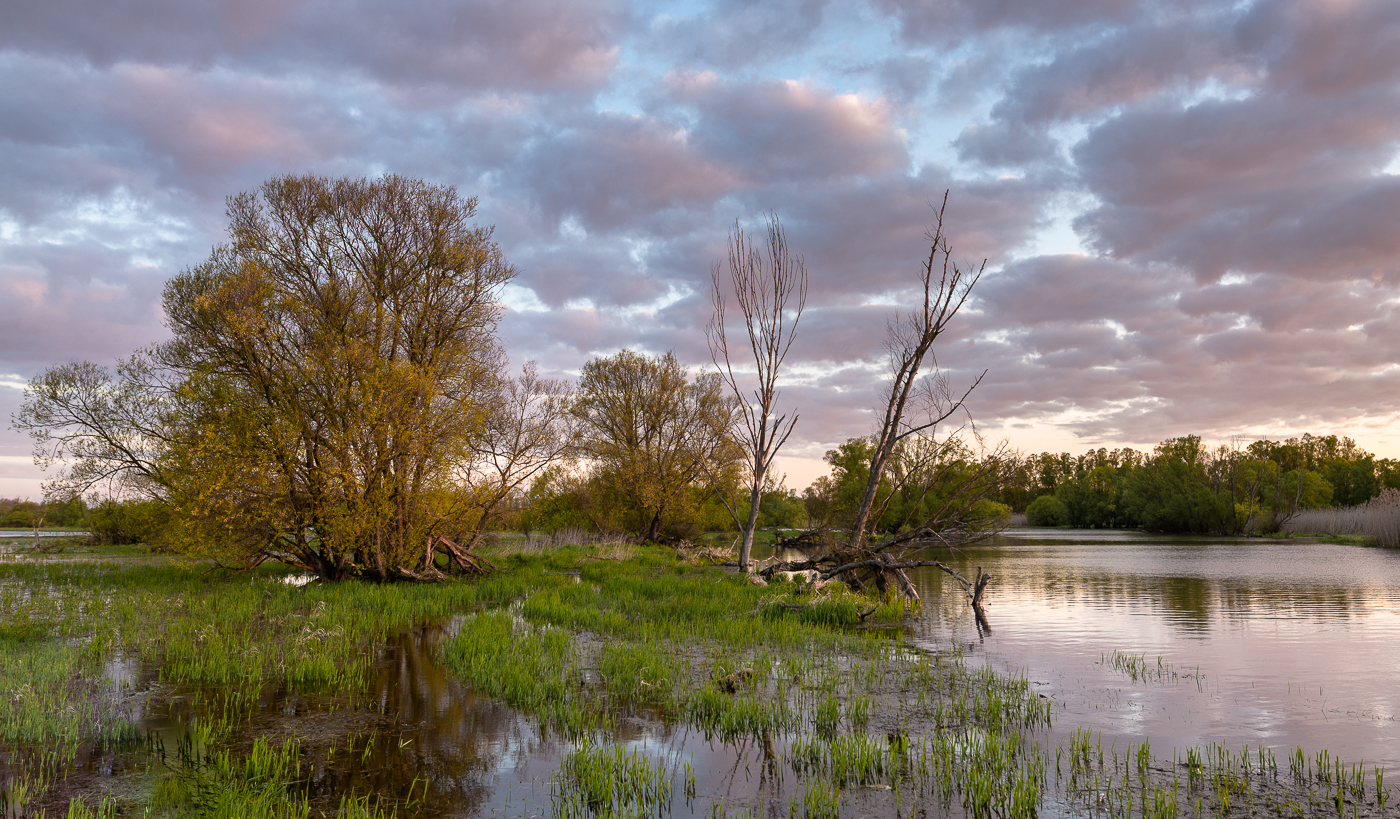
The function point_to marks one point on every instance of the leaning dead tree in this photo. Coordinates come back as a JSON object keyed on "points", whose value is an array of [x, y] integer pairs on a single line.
{"points": [[907, 455], [771, 290]]}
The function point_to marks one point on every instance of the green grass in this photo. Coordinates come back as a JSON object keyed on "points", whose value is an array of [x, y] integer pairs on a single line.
{"points": [[578, 642], [746, 664], [582, 644], [60, 622], [611, 781]]}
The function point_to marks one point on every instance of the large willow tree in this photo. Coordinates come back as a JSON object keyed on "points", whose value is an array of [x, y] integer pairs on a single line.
{"points": [[329, 371]]}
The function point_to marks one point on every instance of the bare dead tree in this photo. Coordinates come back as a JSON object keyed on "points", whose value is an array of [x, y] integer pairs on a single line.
{"points": [[764, 285], [37, 522], [915, 404], [909, 342]]}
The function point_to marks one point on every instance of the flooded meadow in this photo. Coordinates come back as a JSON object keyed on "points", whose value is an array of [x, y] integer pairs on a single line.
{"points": [[1117, 675]]}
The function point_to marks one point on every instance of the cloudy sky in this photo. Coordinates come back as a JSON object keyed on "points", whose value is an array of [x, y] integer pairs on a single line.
{"points": [[1190, 211]]}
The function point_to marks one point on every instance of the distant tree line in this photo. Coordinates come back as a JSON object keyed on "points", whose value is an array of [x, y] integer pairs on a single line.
{"points": [[108, 521], [1185, 486], [25, 514]]}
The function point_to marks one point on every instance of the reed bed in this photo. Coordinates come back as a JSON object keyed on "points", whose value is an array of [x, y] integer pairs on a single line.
{"points": [[1377, 520], [611, 781]]}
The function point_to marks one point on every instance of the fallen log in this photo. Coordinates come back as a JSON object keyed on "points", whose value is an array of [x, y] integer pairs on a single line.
{"points": [[858, 569], [465, 560]]}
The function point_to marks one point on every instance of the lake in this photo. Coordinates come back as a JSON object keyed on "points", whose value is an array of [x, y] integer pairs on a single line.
{"points": [[1279, 643]]}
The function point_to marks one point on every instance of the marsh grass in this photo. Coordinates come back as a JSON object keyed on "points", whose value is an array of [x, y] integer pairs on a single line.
{"points": [[206, 781], [859, 720], [1377, 520], [1214, 781], [766, 668], [83, 640], [611, 781], [1138, 668]]}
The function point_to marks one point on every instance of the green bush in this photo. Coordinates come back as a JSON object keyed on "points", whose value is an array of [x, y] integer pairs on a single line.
{"points": [[1047, 510], [989, 514], [124, 522]]}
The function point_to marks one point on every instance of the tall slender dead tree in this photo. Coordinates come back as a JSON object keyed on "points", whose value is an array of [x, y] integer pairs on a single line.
{"points": [[946, 287], [764, 286]]}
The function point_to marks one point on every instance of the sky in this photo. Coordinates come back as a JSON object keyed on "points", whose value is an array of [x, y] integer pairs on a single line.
{"points": [[1189, 211]]}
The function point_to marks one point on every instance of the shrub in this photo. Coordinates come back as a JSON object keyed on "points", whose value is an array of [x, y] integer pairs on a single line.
{"points": [[122, 522], [989, 514], [1047, 510]]}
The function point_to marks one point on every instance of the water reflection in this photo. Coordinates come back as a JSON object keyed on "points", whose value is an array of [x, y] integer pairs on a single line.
{"points": [[1293, 641], [414, 731]]}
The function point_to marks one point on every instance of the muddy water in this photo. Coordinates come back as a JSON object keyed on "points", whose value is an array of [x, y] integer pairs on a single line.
{"points": [[1261, 642]]}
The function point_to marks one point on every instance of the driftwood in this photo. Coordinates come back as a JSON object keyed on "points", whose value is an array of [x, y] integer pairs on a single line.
{"points": [[808, 540], [695, 553], [428, 574], [877, 566], [462, 560]]}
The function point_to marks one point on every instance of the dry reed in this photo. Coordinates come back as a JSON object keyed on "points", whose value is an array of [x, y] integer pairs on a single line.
{"points": [[1377, 519]]}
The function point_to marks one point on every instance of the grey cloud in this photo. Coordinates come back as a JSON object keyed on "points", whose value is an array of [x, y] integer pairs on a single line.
{"points": [[1151, 57], [1267, 183], [731, 34], [1185, 358], [867, 236], [526, 44], [906, 76], [1280, 304], [1073, 288], [611, 170], [157, 132], [1126, 65], [1324, 48], [950, 20], [1006, 144], [80, 301], [780, 131]]}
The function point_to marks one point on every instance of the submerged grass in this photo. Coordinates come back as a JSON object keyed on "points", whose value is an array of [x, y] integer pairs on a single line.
{"points": [[81, 640], [611, 781], [761, 667], [586, 643]]}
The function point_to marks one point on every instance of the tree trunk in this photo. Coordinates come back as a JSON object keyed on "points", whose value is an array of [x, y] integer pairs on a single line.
{"points": [[746, 550], [38, 522]]}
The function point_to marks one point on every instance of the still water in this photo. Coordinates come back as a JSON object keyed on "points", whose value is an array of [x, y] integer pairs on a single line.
{"points": [[1237, 640], [1180, 641]]}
